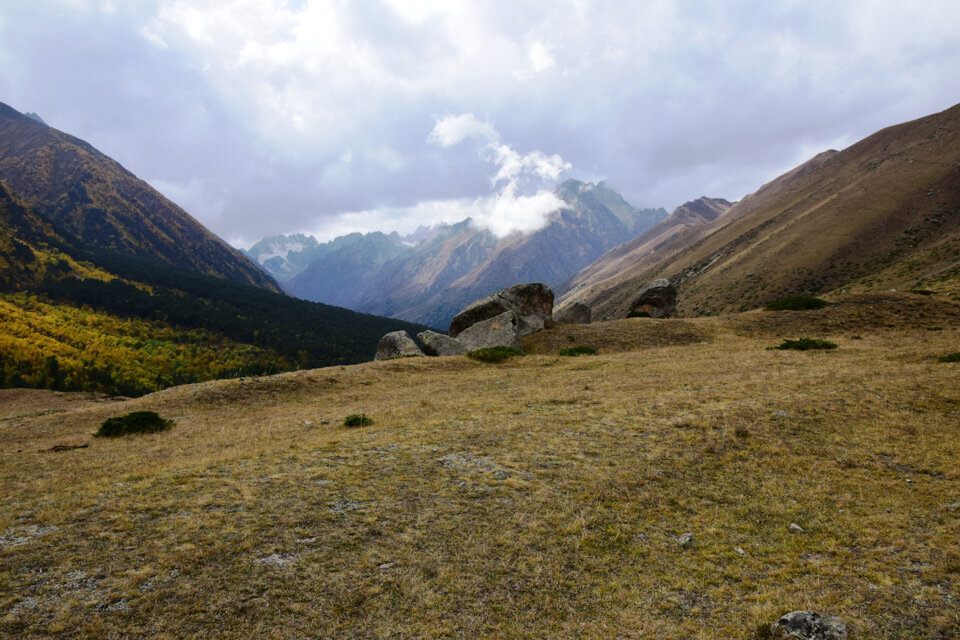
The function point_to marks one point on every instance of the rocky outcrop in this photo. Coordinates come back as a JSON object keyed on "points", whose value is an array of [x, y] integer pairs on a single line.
{"points": [[807, 625], [503, 330], [438, 344], [531, 305], [397, 344], [658, 300], [576, 313]]}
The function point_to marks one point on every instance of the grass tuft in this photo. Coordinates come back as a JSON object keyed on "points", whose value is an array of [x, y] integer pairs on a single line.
{"points": [[805, 344], [796, 303], [494, 354], [136, 422], [950, 357], [357, 420], [581, 350]]}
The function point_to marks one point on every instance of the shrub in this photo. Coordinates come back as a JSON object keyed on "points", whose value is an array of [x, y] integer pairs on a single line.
{"points": [[639, 314], [796, 303], [581, 350], [136, 422], [357, 420], [951, 357], [494, 354], [805, 344]]}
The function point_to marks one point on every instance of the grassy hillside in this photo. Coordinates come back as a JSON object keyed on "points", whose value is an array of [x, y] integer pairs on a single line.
{"points": [[882, 214], [539, 498]]}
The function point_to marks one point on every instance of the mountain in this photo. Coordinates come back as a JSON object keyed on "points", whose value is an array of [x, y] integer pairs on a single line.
{"points": [[89, 198], [882, 214], [451, 265], [77, 315], [284, 257]]}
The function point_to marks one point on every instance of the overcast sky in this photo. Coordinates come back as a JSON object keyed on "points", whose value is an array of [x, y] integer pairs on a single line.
{"points": [[327, 116]]}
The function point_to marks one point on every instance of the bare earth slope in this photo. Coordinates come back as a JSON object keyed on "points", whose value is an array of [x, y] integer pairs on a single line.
{"points": [[883, 213], [89, 198], [540, 498]]}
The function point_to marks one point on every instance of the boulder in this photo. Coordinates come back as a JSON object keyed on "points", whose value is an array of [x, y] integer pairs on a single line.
{"points": [[658, 299], [396, 344], [438, 344], [500, 331], [576, 313], [807, 625], [531, 304]]}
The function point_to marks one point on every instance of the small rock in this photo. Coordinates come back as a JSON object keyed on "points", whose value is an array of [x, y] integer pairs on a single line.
{"points": [[386, 565], [807, 625], [795, 528], [686, 540], [740, 552], [953, 506]]}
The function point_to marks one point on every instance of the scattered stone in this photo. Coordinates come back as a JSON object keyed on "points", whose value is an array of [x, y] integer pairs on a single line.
{"points": [[531, 303], [503, 330], [397, 344], [386, 565], [119, 605], [807, 625], [576, 313], [439, 344], [953, 506], [276, 560], [685, 541], [65, 447], [17, 536], [739, 551], [795, 528], [658, 299]]}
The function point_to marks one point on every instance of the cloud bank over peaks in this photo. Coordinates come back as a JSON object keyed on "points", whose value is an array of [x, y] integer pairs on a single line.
{"points": [[522, 186]]}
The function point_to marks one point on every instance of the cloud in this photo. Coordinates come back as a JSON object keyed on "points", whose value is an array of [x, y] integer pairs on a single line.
{"points": [[451, 130]]}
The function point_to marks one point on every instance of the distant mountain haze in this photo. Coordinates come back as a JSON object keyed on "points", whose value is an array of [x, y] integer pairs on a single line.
{"points": [[429, 276]]}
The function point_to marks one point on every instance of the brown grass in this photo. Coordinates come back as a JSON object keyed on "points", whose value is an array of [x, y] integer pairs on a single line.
{"points": [[537, 498]]}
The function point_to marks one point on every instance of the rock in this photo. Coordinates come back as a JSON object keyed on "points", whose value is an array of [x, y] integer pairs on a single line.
{"points": [[576, 313], [500, 331], [439, 344], [740, 551], [658, 299], [953, 506], [686, 540], [396, 344], [807, 625], [531, 303], [795, 528]]}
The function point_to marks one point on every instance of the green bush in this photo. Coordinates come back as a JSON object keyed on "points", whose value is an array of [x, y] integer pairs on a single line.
{"points": [[639, 314], [357, 420], [796, 303], [494, 354], [136, 422], [805, 344], [951, 357], [582, 350]]}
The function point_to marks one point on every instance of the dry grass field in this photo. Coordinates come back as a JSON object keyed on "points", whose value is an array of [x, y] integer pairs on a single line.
{"points": [[537, 498]]}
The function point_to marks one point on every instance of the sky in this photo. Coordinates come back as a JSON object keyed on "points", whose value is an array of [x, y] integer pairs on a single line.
{"points": [[330, 116]]}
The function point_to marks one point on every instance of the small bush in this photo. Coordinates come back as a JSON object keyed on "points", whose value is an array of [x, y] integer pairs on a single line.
{"points": [[922, 292], [796, 303], [494, 354], [639, 314], [951, 357], [741, 432], [805, 344], [357, 420], [581, 350], [136, 422]]}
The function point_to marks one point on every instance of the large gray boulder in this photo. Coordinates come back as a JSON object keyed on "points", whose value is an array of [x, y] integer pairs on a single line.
{"points": [[807, 625], [503, 330], [438, 344], [576, 313], [396, 344], [531, 304], [658, 299]]}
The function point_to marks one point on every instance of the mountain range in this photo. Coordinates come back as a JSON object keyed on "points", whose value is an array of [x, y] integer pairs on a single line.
{"points": [[429, 276]]}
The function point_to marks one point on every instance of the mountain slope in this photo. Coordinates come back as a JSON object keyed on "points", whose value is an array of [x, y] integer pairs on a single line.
{"points": [[90, 198], [881, 214]]}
